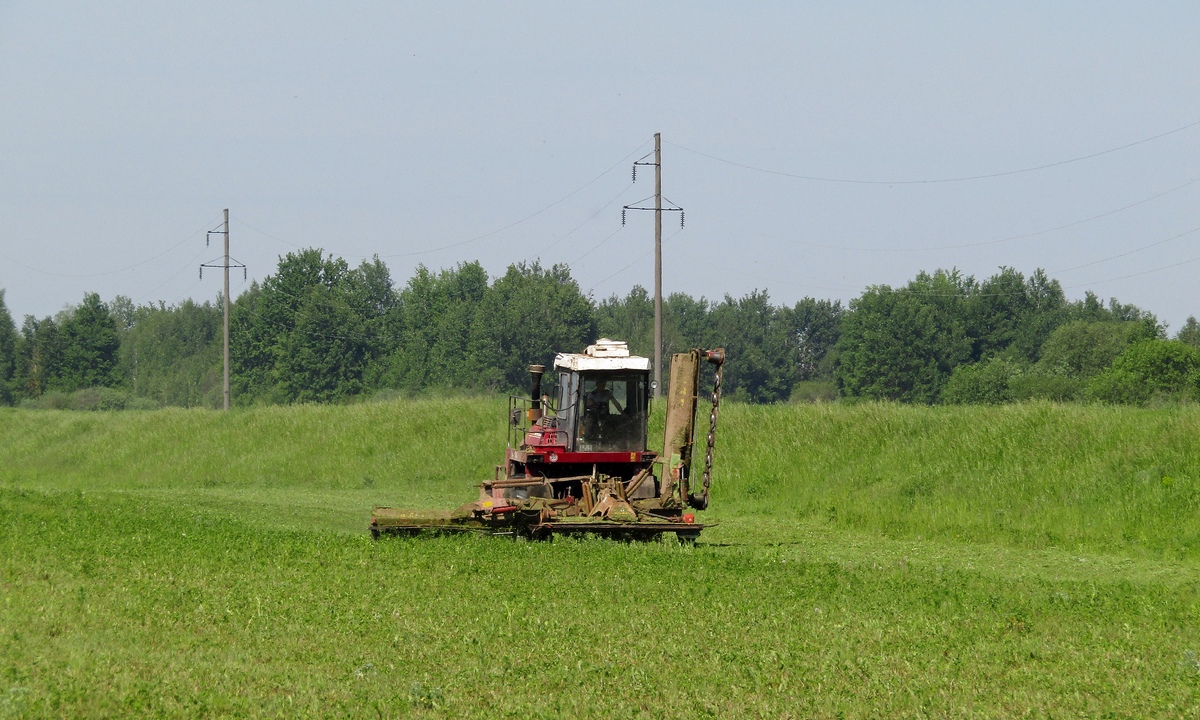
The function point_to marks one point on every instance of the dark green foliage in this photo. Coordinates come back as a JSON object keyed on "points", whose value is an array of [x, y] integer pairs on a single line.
{"points": [[815, 327], [319, 330], [1007, 314], [529, 315], [686, 324], [8, 353], [1149, 369], [310, 331], [1034, 385], [79, 350], [91, 399], [632, 319], [814, 391], [758, 335], [1090, 308], [1190, 332], [985, 383], [1082, 348], [172, 355], [775, 347], [903, 344], [90, 347], [39, 356], [435, 314]]}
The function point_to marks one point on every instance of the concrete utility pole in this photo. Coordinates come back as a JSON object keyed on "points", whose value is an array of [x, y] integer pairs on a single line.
{"points": [[658, 342], [658, 211], [226, 263]]}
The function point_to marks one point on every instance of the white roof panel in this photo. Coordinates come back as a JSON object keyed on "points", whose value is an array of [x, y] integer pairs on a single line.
{"points": [[578, 362]]}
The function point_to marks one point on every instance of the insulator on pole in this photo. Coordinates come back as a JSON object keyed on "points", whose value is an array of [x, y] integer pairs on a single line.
{"points": [[622, 217], [680, 219], [201, 272], [245, 274], [635, 173]]}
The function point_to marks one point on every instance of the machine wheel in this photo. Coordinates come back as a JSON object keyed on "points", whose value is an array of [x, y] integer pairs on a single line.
{"points": [[688, 538]]}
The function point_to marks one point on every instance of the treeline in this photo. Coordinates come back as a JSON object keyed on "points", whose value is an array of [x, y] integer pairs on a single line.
{"points": [[319, 330]]}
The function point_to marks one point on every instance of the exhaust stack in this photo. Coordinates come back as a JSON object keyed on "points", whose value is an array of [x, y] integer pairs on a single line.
{"points": [[535, 392]]}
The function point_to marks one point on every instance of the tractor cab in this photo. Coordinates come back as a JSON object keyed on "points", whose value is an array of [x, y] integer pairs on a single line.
{"points": [[603, 401], [595, 419]]}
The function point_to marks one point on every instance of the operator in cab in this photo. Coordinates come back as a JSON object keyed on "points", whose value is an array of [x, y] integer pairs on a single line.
{"points": [[597, 401]]}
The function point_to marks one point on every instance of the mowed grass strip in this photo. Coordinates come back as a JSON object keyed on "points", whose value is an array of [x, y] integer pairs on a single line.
{"points": [[871, 560], [115, 604]]}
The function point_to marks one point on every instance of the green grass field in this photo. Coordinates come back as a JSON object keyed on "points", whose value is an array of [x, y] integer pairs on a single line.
{"points": [[870, 560]]}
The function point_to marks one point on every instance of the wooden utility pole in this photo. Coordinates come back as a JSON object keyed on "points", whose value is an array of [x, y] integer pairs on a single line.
{"points": [[658, 341], [226, 264]]}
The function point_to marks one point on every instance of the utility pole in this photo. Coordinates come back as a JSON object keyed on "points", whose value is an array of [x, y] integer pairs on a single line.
{"points": [[657, 265], [225, 264], [658, 211]]}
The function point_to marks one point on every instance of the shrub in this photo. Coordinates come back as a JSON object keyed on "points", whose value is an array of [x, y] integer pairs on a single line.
{"points": [[810, 391], [983, 383], [90, 399], [1148, 369], [1038, 385], [1084, 349]]}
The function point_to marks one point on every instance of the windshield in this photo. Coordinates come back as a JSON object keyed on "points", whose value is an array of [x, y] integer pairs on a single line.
{"points": [[614, 413]]}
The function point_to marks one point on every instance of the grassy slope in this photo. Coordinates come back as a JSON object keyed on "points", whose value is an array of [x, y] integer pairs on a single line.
{"points": [[1041, 475], [871, 560]]}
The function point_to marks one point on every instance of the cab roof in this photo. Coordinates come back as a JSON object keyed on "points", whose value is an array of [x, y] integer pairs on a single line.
{"points": [[605, 354]]}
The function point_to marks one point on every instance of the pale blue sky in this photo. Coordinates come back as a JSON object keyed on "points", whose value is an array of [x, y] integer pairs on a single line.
{"points": [[396, 129]]}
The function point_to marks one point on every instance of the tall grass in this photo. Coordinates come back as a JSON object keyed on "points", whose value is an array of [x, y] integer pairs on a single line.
{"points": [[286, 465], [1034, 475]]}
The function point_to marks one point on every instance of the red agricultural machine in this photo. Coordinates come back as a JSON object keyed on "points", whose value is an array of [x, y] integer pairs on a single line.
{"points": [[579, 463]]}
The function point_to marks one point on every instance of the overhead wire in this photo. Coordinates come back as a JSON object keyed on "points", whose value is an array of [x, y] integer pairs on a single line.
{"points": [[106, 272], [477, 238], [1136, 274], [931, 181], [564, 198], [982, 243], [145, 296], [591, 217], [1130, 252], [641, 257], [1077, 267], [596, 247]]}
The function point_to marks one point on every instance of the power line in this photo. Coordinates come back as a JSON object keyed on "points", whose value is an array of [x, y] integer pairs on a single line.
{"points": [[590, 218], [190, 264], [477, 238], [524, 219], [1011, 238], [931, 181], [106, 272], [1131, 252], [596, 247], [1136, 274], [640, 258]]}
